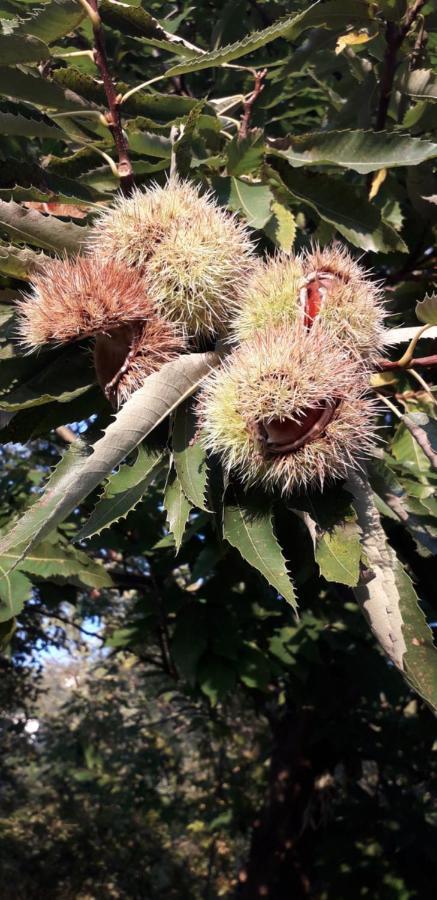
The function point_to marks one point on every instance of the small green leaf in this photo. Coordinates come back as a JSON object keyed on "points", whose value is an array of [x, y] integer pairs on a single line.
{"points": [[245, 155], [136, 22], [426, 309], [248, 526], [281, 227], [253, 200], [178, 509], [338, 553], [216, 677], [15, 589], [189, 457], [123, 491]]}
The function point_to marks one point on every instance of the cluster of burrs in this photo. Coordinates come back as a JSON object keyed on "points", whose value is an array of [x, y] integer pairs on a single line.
{"points": [[166, 270], [290, 407], [163, 271]]}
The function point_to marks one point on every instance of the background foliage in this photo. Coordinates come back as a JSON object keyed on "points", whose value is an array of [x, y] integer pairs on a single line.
{"points": [[207, 743]]}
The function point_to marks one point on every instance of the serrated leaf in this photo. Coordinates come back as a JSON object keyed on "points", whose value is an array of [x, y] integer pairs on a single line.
{"points": [[83, 468], [189, 457], [426, 309], [32, 87], [245, 155], [22, 180], [289, 27], [159, 107], [248, 526], [15, 48], [60, 563], [136, 22], [42, 230], [53, 21], [62, 379], [361, 151], [338, 554], [178, 509], [15, 125], [19, 262], [390, 602], [281, 227], [348, 211], [15, 589], [122, 493]]}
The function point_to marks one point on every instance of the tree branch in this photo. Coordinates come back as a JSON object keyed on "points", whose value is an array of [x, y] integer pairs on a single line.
{"points": [[384, 364], [394, 35], [248, 104], [113, 117]]}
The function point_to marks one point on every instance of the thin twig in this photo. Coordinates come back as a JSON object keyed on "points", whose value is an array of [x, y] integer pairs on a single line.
{"points": [[394, 35], [113, 117], [384, 364], [248, 103]]}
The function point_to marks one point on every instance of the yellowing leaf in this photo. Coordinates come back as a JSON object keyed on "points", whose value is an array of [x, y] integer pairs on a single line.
{"points": [[377, 180], [352, 39]]}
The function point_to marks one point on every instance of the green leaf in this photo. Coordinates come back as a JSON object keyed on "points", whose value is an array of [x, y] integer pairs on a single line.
{"points": [[136, 22], [338, 553], [245, 155], [159, 107], [62, 379], [216, 677], [253, 667], [7, 631], [390, 603], [123, 491], [190, 639], [81, 470], [16, 48], [15, 589], [22, 180], [178, 509], [53, 21], [288, 27], [281, 227], [190, 457], [362, 151], [22, 126], [150, 144], [349, 211], [426, 309], [60, 563], [31, 86], [44, 231], [248, 526], [17, 262], [253, 200]]}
